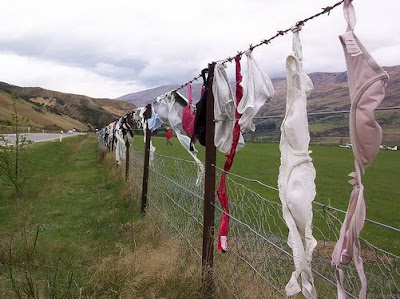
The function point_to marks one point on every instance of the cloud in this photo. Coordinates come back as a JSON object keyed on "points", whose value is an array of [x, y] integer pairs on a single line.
{"points": [[28, 71], [123, 45]]}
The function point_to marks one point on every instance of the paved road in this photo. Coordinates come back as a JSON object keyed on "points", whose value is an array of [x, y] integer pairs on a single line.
{"points": [[38, 137]]}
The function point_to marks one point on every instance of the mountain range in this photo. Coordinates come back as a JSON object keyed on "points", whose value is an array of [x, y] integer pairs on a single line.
{"points": [[331, 93], [54, 111]]}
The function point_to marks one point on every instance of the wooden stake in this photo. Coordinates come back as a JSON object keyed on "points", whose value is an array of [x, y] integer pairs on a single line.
{"points": [[209, 193], [147, 115]]}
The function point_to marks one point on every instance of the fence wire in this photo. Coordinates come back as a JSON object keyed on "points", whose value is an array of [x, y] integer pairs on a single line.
{"points": [[259, 262]]}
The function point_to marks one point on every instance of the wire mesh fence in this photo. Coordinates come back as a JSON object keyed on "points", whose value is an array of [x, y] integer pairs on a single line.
{"points": [[259, 262]]}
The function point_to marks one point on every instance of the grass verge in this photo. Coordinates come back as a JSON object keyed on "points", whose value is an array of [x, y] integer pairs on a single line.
{"points": [[76, 233]]}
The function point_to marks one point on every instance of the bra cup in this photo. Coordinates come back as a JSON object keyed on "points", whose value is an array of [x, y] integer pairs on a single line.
{"points": [[293, 81], [297, 138], [369, 132], [163, 111], [175, 116], [300, 188], [363, 70], [224, 109], [307, 83], [257, 90], [188, 117], [296, 131]]}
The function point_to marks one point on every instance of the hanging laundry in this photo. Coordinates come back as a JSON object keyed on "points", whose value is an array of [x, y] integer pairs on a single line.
{"points": [[120, 148], [188, 113], [170, 113], [297, 173], [257, 90], [154, 121], [127, 128], [111, 132], [199, 130], [224, 111], [114, 137], [143, 121], [237, 138], [137, 118], [367, 82], [105, 137]]}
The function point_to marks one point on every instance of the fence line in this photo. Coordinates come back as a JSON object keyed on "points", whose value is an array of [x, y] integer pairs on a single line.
{"points": [[324, 206], [325, 112], [259, 261]]}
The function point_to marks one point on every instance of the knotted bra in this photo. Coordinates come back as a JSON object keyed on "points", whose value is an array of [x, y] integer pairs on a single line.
{"points": [[367, 82]]}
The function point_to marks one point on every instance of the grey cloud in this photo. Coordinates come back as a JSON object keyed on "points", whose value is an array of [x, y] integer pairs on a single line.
{"points": [[76, 54], [128, 41]]}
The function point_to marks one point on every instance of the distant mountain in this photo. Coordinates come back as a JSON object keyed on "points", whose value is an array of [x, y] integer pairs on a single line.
{"points": [[142, 98], [330, 93], [53, 110]]}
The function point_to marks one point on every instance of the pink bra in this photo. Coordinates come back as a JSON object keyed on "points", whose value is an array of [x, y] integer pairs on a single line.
{"points": [[367, 82], [188, 114]]}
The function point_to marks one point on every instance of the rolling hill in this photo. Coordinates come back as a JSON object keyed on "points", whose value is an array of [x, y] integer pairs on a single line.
{"points": [[330, 94], [53, 111]]}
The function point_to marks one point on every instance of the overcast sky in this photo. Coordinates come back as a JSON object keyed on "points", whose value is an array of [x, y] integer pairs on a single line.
{"points": [[111, 48]]}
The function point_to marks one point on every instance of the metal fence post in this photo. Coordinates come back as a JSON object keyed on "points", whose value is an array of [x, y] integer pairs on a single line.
{"points": [[143, 207], [209, 193]]}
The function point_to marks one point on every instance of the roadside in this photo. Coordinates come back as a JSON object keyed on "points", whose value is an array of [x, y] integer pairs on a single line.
{"points": [[76, 233], [38, 137]]}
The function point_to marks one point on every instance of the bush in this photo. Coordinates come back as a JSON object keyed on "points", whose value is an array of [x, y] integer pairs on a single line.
{"points": [[14, 158]]}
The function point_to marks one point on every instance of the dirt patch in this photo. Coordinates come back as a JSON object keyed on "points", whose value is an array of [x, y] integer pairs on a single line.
{"points": [[325, 248]]}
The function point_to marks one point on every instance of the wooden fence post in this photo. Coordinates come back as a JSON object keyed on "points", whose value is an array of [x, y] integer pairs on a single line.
{"points": [[127, 158], [143, 207], [209, 193]]}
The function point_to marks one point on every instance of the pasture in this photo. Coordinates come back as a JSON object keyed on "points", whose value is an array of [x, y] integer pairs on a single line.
{"points": [[261, 161], [76, 232]]}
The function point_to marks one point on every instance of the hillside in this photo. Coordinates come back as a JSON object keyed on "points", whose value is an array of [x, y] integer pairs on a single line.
{"points": [[330, 93], [53, 111]]}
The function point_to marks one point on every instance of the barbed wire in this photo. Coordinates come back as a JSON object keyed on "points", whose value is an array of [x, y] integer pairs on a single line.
{"points": [[298, 24]]}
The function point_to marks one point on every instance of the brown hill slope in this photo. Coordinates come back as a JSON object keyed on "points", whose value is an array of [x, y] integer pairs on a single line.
{"points": [[330, 93], [52, 110]]}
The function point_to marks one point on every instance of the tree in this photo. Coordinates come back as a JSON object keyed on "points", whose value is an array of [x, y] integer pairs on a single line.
{"points": [[14, 155]]}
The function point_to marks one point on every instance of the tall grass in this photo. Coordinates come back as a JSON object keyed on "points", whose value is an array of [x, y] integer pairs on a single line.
{"points": [[77, 233]]}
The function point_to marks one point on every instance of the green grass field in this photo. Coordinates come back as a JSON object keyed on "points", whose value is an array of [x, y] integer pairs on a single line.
{"points": [[75, 232], [91, 242], [76, 210], [333, 164]]}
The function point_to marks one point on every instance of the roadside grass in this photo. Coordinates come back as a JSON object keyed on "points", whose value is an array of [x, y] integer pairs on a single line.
{"points": [[333, 164], [76, 233]]}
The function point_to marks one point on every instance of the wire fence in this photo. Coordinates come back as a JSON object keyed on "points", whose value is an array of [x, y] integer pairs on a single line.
{"points": [[259, 262]]}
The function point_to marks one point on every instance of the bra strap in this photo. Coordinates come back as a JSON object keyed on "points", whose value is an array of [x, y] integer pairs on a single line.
{"points": [[349, 14], [190, 94], [296, 43]]}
